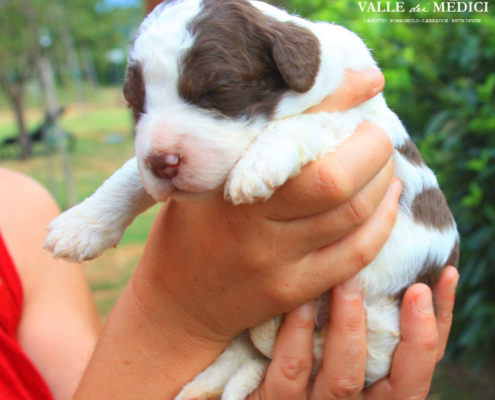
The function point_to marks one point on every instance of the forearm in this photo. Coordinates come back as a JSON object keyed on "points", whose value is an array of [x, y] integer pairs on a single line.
{"points": [[145, 350]]}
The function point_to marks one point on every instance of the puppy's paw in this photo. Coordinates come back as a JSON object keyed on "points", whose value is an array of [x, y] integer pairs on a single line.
{"points": [[257, 175], [230, 383], [206, 386], [81, 234], [264, 335], [233, 376]]}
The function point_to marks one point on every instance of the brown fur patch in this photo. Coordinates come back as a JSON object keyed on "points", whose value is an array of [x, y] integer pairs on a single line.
{"points": [[242, 62], [431, 271], [430, 208], [411, 153], [134, 89], [454, 255], [430, 275]]}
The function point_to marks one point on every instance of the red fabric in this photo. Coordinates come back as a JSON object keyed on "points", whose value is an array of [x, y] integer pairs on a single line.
{"points": [[19, 379]]}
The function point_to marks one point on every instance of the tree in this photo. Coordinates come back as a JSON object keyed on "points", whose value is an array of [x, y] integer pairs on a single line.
{"points": [[72, 28], [18, 49]]}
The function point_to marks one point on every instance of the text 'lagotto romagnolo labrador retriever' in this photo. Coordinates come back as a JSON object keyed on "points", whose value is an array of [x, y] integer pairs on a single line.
{"points": [[218, 88]]}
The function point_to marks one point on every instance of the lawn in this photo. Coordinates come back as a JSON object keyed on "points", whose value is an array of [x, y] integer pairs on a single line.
{"points": [[103, 129]]}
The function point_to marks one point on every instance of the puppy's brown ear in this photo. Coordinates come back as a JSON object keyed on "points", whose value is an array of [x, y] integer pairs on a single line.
{"points": [[296, 51], [135, 90]]}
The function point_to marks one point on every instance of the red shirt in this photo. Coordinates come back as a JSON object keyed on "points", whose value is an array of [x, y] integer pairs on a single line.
{"points": [[19, 379]]}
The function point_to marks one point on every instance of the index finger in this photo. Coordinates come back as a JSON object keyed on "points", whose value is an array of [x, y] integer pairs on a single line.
{"points": [[335, 178], [289, 372], [357, 88]]}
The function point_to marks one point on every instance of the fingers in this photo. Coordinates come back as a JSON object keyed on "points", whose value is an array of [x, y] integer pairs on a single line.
{"points": [[325, 228], [342, 374], [356, 250], [288, 374], [357, 88], [335, 178], [444, 293], [416, 355]]}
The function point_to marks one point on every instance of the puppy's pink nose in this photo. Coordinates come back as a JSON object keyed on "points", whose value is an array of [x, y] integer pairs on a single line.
{"points": [[164, 165]]}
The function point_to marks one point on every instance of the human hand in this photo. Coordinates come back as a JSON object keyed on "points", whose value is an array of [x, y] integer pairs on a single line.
{"points": [[212, 269], [206, 260], [424, 339]]}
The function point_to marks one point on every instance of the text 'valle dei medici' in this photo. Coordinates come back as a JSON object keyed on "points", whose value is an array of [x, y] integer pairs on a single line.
{"points": [[451, 6]]}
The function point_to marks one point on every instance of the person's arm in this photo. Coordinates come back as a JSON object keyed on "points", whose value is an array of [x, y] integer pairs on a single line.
{"points": [[212, 269], [59, 325]]}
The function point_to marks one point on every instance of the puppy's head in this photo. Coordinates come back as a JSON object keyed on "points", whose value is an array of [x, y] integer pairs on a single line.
{"points": [[204, 77]]}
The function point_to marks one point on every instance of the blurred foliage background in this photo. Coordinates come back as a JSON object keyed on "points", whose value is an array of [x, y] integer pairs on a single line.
{"points": [[440, 80]]}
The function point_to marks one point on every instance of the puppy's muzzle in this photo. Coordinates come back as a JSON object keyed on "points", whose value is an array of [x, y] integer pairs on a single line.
{"points": [[164, 165]]}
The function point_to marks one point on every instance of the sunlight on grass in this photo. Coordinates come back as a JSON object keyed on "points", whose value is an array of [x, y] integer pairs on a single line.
{"points": [[98, 121]]}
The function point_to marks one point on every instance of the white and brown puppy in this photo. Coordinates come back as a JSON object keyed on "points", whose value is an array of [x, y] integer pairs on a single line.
{"points": [[218, 88]]}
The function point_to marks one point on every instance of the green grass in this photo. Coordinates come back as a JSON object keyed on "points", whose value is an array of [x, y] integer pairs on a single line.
{"points": [[104, 110], [99, 121], [138, 232]]}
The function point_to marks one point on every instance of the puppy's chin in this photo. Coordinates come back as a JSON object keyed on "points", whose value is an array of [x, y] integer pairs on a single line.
{"points": [[159, 189]]}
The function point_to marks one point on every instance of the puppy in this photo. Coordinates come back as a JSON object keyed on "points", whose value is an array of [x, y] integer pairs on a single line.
{"points": [[218, 88]]}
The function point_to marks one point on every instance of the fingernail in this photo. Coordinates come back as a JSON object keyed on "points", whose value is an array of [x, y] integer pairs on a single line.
{"points": [[376, 77], [307, 311], [395, 188], [424, 303], [453, 284], [351, 287]]}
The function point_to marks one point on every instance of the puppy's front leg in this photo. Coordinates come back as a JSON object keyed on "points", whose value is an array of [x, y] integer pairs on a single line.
{"points": [[98, 223], [264, 335], [282, 149]]}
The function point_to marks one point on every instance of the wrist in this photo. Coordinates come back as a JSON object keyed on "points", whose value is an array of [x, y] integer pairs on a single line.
{"points": [[172, 281], [158, 306]]}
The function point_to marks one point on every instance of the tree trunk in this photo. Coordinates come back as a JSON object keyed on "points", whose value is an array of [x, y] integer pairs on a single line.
{"points": [[46, 74], [15, 94], [74, 66], [24, 139], [89, 67]]}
